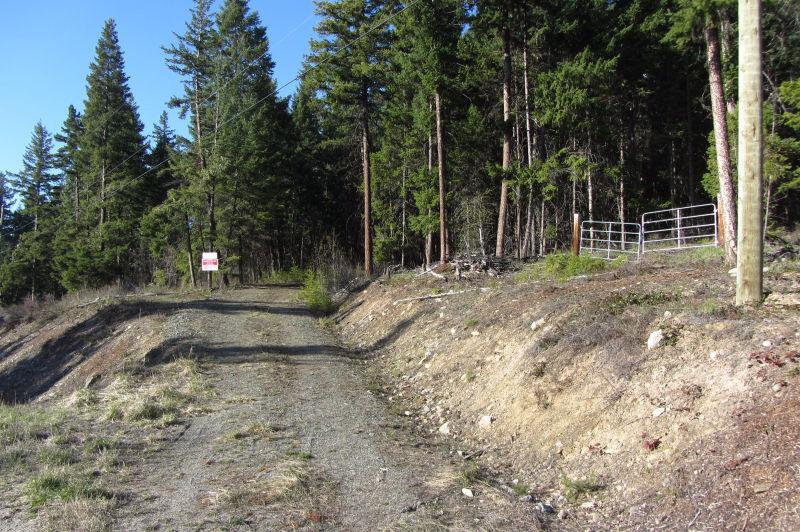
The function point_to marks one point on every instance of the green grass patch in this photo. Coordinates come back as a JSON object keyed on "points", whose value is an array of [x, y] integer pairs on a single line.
{"points": [[575, 489], [99, 444], [471, 474], [56, 456], [520, 489], [19, 423], [399, 279], [300, 455], [564, 266], [58, 485], [471, 322]]}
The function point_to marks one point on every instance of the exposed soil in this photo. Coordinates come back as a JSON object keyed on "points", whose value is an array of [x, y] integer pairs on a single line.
{"points": [[553, 384], [290, 436]]}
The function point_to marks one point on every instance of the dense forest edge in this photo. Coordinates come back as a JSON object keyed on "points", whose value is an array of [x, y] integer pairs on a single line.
{"points": [[419, 131]]}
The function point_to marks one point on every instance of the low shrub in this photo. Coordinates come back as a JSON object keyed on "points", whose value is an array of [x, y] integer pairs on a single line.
{"points": [[315, 293]]}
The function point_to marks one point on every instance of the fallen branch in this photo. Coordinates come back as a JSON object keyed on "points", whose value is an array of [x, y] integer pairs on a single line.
{"points": [[437, 296], [440, 276], [89, 303]]}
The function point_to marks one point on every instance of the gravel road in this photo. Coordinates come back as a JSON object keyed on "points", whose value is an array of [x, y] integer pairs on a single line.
{"points": [[354, 466]]}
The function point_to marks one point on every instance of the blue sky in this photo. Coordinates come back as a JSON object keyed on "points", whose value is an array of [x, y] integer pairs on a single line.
{"points": [[46, 47]]}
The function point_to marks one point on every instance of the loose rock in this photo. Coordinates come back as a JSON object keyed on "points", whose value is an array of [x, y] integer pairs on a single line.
{"points": [[655, 339], [485, 422]]}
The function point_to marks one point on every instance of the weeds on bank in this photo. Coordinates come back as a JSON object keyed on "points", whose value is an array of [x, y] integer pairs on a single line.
{"points": [[259, 429], [158, 399], [619, 302], [564, 266], [471, 474]]}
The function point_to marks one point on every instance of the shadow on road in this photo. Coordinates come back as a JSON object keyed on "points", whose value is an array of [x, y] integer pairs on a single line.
{"points": [[35, 374]]}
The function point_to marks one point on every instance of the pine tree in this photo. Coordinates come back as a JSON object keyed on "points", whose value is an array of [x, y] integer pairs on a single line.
{"points": [[192, 58], [112, 153], [691, 15], [67, 161], [349, 61], [36, 183], [157, 183], [36, 186], [5, 198], [427, 38]]}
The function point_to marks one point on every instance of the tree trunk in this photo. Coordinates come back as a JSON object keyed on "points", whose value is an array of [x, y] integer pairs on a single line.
{"points": [[719, 114], [542, 242], [189, 252], [689, 144], [528, 223], [403, 224], [621, 203], [442, 178], [501, 218], [102, 195], [428, 249], [726, 27], [749, 281], [365, 153]]}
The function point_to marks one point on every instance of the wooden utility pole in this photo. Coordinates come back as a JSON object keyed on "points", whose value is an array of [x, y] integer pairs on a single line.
{"points": [[750, 247]]}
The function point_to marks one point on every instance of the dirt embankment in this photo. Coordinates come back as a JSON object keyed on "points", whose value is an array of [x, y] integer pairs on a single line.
{"points": [[554, 387]]}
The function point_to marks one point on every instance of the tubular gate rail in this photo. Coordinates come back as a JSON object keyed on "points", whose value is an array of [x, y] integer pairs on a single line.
{"points": [[665, 230], [609, 240], [680, 228]]}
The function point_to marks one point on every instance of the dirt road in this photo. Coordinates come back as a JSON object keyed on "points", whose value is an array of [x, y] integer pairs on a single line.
{"points": [[293, 438]]}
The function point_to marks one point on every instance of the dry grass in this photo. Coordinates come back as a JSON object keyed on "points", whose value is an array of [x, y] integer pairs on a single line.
{"points": [[305, 494], [58, 451], [80, 514], [259, 429], [157, 399]]}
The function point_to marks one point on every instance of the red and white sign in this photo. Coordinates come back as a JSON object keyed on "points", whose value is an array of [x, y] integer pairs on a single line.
{"points": [[210, 262]]}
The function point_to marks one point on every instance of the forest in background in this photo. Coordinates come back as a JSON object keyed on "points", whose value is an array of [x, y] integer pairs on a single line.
{"points": [[419, 130]]}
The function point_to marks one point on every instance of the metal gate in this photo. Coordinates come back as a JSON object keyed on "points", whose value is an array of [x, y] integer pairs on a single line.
{"points": [[679, 228], [609, 240]]}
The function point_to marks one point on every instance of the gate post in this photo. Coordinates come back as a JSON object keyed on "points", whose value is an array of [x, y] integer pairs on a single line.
{"points": [[576, 234]]}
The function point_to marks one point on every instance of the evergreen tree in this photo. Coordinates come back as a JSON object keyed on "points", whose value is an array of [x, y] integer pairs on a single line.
{"points": [[112, 154], [67, 162], [349, 62], [5, 198], [30, 267], [705, 15]]}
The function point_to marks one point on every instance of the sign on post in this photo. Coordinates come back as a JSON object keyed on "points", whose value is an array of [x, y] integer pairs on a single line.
{"points": [[210, 262]]}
